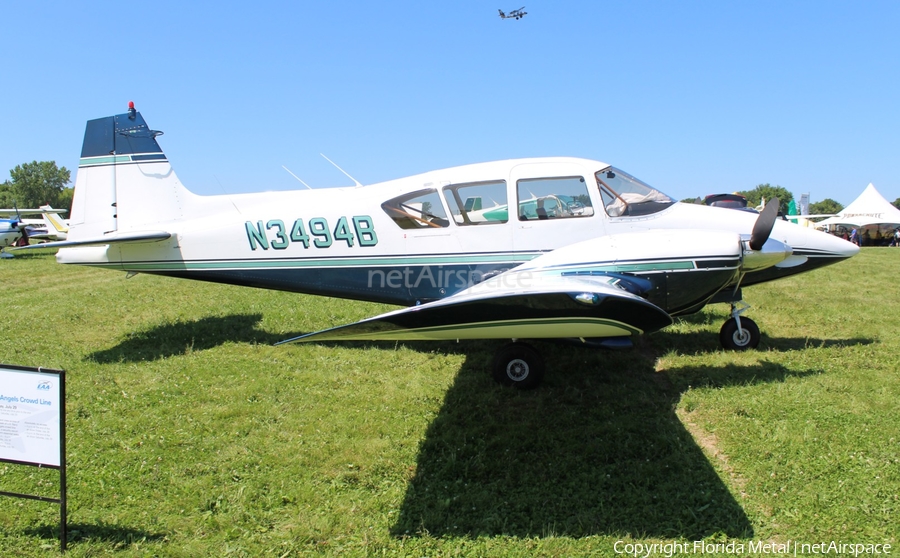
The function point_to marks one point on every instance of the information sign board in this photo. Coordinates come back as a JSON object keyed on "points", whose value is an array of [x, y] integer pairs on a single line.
{"points": [[33, 426], [30, 406]]}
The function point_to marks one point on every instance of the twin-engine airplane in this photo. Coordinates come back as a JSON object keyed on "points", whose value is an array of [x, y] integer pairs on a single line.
{"points": [[520, 249]]}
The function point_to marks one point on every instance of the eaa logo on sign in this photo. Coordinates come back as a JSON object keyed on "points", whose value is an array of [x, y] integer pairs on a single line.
{"points": [[45, 386]]}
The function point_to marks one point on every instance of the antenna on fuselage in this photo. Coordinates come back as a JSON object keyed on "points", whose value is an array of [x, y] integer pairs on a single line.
{"points": [[297, 177], [358, 185], [226, 194]]}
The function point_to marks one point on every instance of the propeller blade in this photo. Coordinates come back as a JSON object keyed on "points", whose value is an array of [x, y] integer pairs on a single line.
{"points": [[19, 224], [764, 224]]}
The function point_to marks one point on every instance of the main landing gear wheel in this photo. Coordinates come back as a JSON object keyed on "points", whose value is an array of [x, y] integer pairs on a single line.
{"points": [[518, 365], [739, 338]]}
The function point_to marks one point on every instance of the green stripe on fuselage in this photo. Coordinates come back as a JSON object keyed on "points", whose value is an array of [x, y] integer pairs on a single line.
{"points": [[387, 261], [393, 261]]}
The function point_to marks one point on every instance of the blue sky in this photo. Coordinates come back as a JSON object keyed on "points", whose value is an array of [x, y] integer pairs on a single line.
{"points": [[693, 97]]}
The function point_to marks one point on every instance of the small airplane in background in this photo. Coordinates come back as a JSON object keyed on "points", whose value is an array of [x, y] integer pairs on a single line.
{"points": [[49, 226], [16, 230], [539, 248], [11, 232], [515, 14]]}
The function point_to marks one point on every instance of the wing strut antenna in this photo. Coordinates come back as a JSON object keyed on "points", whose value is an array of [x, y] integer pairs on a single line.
{"points": [[358, 185], [295, 176]]}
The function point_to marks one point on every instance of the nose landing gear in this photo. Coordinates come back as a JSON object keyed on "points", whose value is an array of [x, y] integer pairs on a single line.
{"points": [[739, 334]]}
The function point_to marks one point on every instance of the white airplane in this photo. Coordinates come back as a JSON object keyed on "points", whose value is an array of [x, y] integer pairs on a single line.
{"points": [[14, 229], [49, 226], [11, 231], [467, 250]]}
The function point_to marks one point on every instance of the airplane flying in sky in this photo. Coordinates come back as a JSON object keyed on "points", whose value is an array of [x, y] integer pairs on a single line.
{"points": [[515, 14], [537, 248]]}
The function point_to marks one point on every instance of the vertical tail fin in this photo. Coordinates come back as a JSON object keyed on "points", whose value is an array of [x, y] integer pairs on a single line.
{"points": [[55, 226], [124, 180]]}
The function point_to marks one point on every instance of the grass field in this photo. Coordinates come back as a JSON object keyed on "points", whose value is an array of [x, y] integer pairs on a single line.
{"points": [[190, 435]]}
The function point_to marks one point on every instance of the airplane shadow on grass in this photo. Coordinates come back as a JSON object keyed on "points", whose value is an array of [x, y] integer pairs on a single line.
{"points": [[704, 342], [185, 336], [596, 450]]}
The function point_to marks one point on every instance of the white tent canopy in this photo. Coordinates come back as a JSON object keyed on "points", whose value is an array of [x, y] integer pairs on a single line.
{"points": [[870, 208]]}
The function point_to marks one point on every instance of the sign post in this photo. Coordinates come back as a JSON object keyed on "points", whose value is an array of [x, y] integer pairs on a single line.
{"points": [[33, 426]]}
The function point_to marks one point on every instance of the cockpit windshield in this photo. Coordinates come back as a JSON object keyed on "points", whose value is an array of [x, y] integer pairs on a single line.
{"points": [[624, 194]]}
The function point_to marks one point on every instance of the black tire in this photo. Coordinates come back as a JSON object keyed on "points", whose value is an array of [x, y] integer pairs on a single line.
{"points": [[734, 340], [518, 365]]}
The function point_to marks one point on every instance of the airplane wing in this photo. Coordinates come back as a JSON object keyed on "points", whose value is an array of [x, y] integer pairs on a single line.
{"points": [[515, 305], [113, 238]]}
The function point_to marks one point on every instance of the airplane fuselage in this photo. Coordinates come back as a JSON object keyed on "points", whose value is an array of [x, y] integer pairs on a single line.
{"points": [[425, 237]]}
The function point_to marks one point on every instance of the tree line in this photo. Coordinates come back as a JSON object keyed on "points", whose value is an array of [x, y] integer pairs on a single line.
{"points": [[766, 191], [34, 184]]}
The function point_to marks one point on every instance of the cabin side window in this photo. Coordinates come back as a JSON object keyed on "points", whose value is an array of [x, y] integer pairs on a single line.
{"points": [[478, 203], [553, 198], [417, 210]]}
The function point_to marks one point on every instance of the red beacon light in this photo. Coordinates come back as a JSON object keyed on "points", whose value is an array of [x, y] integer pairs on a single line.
{"points": [[131, 111]]}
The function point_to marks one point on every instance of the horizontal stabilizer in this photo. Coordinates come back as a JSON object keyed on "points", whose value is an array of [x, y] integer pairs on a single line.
{"points": [[30, 211], [548, 307], [113, 238]]}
